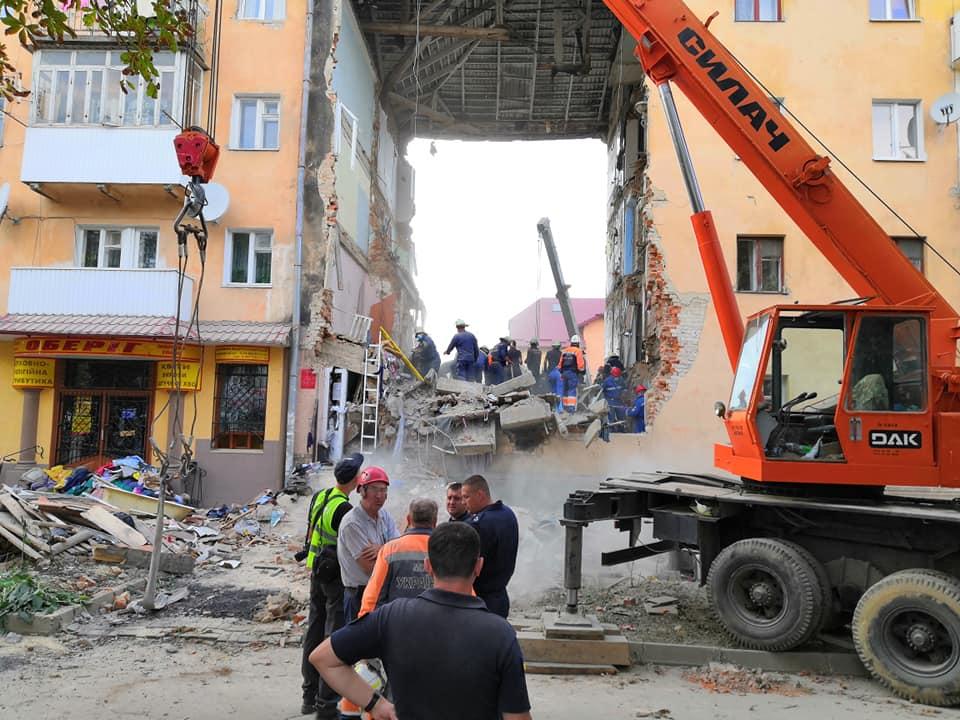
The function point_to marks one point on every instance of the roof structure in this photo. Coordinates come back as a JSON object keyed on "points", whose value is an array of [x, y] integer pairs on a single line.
{"points": [[213, 332], [493, 69]]}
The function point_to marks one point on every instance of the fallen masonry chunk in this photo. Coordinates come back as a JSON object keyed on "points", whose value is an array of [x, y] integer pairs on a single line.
{"points": [[531, 412], [449, 386], [523, 381]]}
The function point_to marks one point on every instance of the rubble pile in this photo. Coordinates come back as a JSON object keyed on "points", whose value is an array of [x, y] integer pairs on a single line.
{"points": [[730, 679]]}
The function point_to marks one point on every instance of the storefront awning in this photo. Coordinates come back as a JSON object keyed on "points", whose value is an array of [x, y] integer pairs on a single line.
{"points": [[211, 332]]}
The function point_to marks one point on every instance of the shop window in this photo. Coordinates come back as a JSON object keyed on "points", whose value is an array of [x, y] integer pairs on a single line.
{"points": [[893, 10], [128, 248], [912, 247], [107, 375], [760, 264], [897, 130], [889, 366], [83, 87], [758, 11], [248, 257], [241, 407], [265, 10], [256, 123]]}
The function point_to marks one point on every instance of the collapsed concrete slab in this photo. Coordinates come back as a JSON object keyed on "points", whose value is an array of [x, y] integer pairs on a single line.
{"points": [[449, 386], [532, 412], [476, 438], [523, 381]]}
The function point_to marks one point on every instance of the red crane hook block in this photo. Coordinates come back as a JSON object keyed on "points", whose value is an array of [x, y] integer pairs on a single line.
{"points": [[197, 154]]}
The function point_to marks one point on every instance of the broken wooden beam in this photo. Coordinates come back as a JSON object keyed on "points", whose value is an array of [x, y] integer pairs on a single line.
{"points": [[81, 537]]}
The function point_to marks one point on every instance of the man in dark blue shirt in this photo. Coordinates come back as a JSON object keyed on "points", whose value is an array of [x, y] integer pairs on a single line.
{"points": [[499, 538], [467, 349], [446, 656]]}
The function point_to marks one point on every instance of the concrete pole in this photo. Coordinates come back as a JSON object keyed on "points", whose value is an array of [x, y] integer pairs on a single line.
{"points": [[28, 425]]}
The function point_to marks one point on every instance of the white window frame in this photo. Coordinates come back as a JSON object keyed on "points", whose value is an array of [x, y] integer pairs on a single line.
{"points": [[251, 257], [918, 115], [237, 121], [112, 100], [343, 115], [130, 238], [279, 10], [888, 12], [756, 13], [756, 271]]}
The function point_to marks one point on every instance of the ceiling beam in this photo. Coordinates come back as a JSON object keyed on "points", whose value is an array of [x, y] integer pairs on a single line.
{"points": [[444, 31]]}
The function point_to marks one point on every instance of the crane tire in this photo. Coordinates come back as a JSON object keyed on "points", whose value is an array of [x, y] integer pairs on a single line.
{"points": [[830, 617], [766, 594], [906, 630]]}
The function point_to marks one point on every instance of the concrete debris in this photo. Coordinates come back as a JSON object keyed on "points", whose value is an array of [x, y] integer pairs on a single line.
{"points": [[661, 713], [523, 381], [531, 412], [660, 605], [730, 679], [279, 606]]}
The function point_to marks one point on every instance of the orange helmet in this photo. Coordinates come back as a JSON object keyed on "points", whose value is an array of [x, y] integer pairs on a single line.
{"points": [[373, 474]]}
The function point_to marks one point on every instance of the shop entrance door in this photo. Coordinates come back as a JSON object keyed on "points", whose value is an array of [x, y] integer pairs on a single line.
{"points": [[97, 424]]}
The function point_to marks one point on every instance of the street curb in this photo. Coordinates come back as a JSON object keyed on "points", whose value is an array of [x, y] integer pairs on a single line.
{"points": [[54, 622], [826, 663]]}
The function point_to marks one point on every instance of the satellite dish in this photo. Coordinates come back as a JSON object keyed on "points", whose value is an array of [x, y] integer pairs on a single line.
{"points": [[946, 109], [218, 200], [4, 203]]}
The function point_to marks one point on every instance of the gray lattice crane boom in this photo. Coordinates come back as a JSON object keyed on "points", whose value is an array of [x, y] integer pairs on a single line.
{"points": [[563, 297]]}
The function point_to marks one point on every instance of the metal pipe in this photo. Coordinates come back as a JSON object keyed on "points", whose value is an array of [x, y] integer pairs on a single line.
{"points": [[293, 377], [572, 563], [680, 145]]}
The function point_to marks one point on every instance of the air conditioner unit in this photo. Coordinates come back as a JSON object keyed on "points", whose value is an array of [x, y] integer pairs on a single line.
{"points": [[955, 40]]}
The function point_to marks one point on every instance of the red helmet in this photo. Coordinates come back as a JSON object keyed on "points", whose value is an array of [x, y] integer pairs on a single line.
{"points": [[616, 372], [641, 388], [372, 474]]}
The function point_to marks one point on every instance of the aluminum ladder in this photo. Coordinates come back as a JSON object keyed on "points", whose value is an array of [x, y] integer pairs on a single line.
{"points": [[370, 400]]}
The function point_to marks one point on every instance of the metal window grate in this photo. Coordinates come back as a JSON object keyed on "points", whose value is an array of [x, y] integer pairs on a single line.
{"points": [[241, 402]]}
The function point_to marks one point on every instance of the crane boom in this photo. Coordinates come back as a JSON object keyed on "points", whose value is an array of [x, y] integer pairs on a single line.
{"points": [[673, 45], [563, 297]]}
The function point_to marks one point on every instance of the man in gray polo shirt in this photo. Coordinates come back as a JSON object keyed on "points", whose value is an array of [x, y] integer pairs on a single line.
{"points": [[363, 531]]}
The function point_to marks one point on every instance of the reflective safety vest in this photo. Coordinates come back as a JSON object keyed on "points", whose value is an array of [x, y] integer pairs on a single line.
{"points": [[572, 359], [326, 501]]}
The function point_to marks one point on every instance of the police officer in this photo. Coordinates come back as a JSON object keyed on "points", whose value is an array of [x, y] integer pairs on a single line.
{"points": [[327, 510], [516, 359]]}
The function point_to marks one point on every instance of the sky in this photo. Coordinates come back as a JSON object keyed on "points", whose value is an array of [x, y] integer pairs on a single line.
{"points": [[475, 228]]}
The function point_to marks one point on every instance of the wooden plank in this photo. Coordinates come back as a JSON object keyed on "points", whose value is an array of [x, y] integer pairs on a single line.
{"points": [[613, 650], [19, 544], [20, 531], [103, 519], [13, 506], [81, 537]]}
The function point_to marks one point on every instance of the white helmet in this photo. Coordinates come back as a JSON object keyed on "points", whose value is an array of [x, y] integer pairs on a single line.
{"points": [[575, 340]]}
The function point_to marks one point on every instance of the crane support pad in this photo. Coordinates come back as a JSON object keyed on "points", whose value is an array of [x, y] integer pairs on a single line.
{"points": [[618, 557]]}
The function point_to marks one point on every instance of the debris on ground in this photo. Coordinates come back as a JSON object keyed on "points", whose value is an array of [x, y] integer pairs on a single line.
{"points": [[730, 679]]}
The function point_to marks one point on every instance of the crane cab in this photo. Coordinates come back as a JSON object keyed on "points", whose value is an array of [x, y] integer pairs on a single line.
{"points": [[839, 395]]}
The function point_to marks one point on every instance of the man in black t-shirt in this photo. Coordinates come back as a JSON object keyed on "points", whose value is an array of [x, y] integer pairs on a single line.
{"points": [[446, 655]]}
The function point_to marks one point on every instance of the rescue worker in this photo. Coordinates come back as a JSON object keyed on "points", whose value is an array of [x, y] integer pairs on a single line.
{"points": [[467, 349], [534, 359], [327, 510], [613, 361], [481, 369], [552, 358], [613, 393], [399, 571], [638, 411], [572, 367], [498, 361], [516, 359], [430, 358]]}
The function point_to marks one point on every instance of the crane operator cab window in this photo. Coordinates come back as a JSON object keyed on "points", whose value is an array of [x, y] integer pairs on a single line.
{"points": [[801, 387], [888, 370]]}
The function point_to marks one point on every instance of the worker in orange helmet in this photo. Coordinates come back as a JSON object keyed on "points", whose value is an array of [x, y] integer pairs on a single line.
{"points": [[613, 393], [638, 412]]}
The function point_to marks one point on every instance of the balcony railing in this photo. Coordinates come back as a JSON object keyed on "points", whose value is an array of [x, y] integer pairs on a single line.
{"points": [[95, 291]]}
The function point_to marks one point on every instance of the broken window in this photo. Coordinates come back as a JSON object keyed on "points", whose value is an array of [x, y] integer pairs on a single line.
{"points": [[760, 264], [345, 132]]}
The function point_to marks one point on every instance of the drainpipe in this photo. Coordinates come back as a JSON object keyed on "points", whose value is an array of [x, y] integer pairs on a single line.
{"points": [[293, 379]]}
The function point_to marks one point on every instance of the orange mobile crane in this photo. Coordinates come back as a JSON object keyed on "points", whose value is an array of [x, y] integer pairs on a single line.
{"points": [[819, 531]]}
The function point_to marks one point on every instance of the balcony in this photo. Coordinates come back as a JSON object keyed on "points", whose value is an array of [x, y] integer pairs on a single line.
{"points": [[60, 291]]}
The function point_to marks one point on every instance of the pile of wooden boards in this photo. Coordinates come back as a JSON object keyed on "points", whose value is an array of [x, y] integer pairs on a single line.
{"points": [[43, 525]]}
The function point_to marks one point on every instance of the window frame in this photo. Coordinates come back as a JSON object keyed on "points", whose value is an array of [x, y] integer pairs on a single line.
{"points": [[756, 13], [756, 273], [901, 240], [236, 125], [280, 11], [130, 246], [911, 5], [235, 435], [338, 128], [917, 105], [251, 257], [112, 101]]}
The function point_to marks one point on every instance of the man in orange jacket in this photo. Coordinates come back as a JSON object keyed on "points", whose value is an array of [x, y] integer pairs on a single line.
{"points": [[572, 367], [398, 571]]}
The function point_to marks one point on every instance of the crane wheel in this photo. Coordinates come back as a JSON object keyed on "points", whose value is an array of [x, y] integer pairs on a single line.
{"points": [[831, 618], [766, 593], [906, 630]]}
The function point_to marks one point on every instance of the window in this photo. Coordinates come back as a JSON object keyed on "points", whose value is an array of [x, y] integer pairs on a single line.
{"points": [[82, 87], [241, 407], [760, 264], [892, 10], [117, 248], [555, 307], [345, 132], [889, 365], [897, 130], [912, 247], [256, 123], [758, 11], [266, 10], [248, 260]]}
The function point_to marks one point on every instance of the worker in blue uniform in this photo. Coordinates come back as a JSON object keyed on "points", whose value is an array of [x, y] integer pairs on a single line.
{"points": [[481, 367], [499, 361], [639, 412], [467, 349], [613, 394], [429, 356]]}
